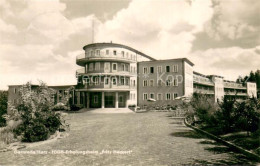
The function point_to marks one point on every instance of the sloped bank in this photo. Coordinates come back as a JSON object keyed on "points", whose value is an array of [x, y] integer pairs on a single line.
{"points": [[239, 149]]}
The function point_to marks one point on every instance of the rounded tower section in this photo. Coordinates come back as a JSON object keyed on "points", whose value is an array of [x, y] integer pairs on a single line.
{"points": [[108, 75]]}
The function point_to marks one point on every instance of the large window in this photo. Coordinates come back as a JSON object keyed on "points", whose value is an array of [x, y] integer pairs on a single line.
{"points": [[175, 95], [145, 71], [106, 81], [127, 81], [96, 80], [167, 69], [175, 68], [123, 67], [152, 95], [98, 52], [114, 52], [91, 67], [122, 81], [114, 66], [107, 67], [168, 96], [151, 70], [145, 96], [145, 83], [168, 82], [175, 82], [97, 66], [151, 82], [114, 81]]}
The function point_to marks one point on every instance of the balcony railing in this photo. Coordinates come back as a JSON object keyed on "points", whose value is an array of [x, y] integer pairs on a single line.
{"points": [[102, 55], [233, 85], [204, 91]]}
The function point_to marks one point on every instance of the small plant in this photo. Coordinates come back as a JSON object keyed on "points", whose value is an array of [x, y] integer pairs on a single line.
{"points": [[60, 107]]}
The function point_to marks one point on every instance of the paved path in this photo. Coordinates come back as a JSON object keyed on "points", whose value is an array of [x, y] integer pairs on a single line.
{"points": [[148, 138]]}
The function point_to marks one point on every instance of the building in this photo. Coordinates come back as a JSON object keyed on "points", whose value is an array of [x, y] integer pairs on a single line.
{"points": [[117, 76]]}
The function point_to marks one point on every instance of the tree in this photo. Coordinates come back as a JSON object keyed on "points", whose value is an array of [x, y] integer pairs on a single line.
{"points": [[3, 107]]}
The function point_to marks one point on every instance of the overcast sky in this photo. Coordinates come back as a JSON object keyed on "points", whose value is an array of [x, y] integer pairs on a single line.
{"points": [[39, 39]]}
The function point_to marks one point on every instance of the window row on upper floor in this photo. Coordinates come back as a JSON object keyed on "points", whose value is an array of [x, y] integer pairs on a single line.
{"points": [[110, 67], [160, 82], [167, 69], [168, 96], [109, 52]]}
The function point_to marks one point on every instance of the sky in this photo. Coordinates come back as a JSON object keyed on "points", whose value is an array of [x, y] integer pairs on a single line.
{"points": [[40, 39]]}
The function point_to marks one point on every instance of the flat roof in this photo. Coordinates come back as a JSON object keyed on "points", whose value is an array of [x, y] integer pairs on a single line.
{"points": [[117, 45], [177, 59]]}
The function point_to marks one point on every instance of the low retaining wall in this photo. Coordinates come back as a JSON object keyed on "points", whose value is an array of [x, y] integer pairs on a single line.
{"points": [[229, 144]]}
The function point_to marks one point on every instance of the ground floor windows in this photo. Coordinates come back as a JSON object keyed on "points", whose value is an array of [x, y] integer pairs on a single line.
{"points": [[145, 96], [175, 95], [152, 95], [168, 96]]}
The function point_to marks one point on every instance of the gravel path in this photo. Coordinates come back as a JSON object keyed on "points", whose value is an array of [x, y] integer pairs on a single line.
{"points": [[127, 139]]}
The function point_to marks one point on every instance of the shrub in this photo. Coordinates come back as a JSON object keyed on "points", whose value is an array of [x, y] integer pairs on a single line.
{"points": [[35, 132], [60, 107], [37, 120], [203, 107], [3, 107]]}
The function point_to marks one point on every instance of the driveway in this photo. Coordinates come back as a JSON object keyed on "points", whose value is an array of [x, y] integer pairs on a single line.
{"points": [[126, 139]]}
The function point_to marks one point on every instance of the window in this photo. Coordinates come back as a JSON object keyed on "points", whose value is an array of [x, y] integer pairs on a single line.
{"points": [[152, 95], [114, 52], [107, 67], [86, 68], [159, 96], [145, 71], [145, 83], [114, 81], [151, 69], [175, 68], [159, 82], [97, 66], [96, 80], [168, 83], [91, 67], [123, 67], [167, 69], [120, 98], [122, 81], [15, 90], [114, 66], [151, 82], [97, 52], [107, 52], [123, 54], [168, 96], [134, 82], [95, 99], [126, 67], [145, 96], [159, 69], [106, 81], [127, 81], [175, 82], [175, 95]]}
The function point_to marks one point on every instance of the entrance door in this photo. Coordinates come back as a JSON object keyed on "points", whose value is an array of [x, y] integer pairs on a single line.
{"points": [[121, 101], [109, 100]]}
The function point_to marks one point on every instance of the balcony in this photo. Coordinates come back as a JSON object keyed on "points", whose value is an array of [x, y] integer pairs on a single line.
{"points": [[83, 58], [233, 85], [203, 91], [102, 72], [201, 80], [109, 87], [236, 93]]}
